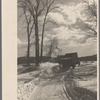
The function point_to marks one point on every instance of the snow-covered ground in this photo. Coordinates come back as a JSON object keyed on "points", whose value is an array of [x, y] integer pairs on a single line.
{"points": [[88, 75], [29, 83], [89, 84]]}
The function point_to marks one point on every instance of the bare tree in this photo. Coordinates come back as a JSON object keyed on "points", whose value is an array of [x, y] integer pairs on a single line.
{"points": [[48, 9], [37, 8], [33, 8], [52, 47], [91, 8], [29, 26]]}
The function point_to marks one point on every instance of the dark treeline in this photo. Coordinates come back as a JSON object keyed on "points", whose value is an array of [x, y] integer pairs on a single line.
{"points": [[23, 60]]}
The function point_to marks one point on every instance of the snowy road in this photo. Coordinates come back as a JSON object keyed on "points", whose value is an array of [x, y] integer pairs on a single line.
{"points": [[51, 90]]}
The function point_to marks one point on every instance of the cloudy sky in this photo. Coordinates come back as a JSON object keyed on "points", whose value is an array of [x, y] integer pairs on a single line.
{"points": [[70, 29]]}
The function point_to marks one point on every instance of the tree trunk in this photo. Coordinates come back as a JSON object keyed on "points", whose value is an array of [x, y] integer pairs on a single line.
{"points": [[43, 36], [50, 52], [37, 42], [41, 50], [28, 51], [28, 46], [42, 45]]}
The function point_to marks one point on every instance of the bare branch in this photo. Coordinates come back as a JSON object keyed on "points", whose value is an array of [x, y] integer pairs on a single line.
{"points": [[23, 4], [91, 8], [53, 8], [40, 12], [26, 17], [24, 32], [50, 21], [92, 29], [22, 14], [31, 28], [23, 22]]}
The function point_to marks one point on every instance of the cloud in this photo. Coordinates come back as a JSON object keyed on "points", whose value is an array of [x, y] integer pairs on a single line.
{"points": [[73, 12], [69, 14], [72, 37], [57, 17], [65, 33]]}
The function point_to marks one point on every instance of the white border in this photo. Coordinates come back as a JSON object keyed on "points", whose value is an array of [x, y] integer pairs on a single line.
{"points": [[9, 50]]}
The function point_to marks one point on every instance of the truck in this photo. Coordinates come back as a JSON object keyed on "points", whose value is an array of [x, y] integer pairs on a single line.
{"points": [[68, 60]]}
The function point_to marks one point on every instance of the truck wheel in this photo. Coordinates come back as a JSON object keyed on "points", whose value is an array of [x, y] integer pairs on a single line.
{"points": [[73, 66], [79, 63]]}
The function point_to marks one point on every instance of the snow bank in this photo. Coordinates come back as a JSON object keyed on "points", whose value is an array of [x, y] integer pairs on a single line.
{"points": [[48, 65], [89, 84], [25, 90], [88, 63]]}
